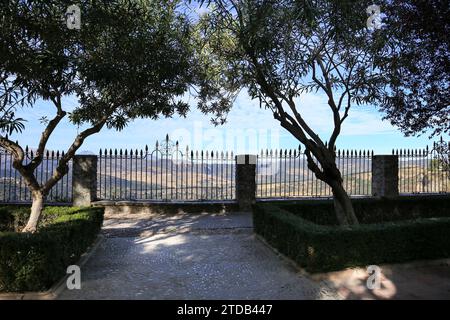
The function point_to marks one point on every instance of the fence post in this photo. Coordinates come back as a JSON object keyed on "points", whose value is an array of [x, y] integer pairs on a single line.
{"points": [[385, 176], [245, 181], [84, 180]]}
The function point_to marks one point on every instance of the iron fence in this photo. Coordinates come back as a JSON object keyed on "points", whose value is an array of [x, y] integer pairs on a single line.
{"points": [[424, 170], [13, 187], [285, 174], [165, 173]]}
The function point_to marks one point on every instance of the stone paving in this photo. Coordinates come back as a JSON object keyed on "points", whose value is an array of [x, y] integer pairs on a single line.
{"points": [[190, 257], [209, 256]]}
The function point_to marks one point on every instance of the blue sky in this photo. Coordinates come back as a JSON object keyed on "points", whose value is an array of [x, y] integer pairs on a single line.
{"points": [[249, 129]]}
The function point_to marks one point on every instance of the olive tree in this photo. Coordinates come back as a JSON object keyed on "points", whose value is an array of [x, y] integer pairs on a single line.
{"points": [[129, 59], [279, 50]]}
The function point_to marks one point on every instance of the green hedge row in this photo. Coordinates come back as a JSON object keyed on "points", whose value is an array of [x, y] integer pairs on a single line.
{"points": [[321, 248], [372, 210], [15, 217], [34, 262]]}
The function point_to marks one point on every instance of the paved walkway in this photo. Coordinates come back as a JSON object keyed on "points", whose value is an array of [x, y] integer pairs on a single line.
{"points": [[190, 257], [217, 257]]}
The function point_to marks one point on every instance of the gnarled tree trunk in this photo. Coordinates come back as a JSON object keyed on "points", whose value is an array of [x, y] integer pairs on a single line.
{"points": [[342, 204], [329, 173]]}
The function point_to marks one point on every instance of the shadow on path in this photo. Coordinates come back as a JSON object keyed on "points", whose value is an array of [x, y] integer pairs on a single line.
{"points": [[205, 256]]}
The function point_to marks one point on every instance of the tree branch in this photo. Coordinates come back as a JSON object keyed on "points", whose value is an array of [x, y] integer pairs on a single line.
{"points": [[314, 167], [18, 157], [302, 123], [37, 160], [62, 167], [336, 117], [13, 148]]}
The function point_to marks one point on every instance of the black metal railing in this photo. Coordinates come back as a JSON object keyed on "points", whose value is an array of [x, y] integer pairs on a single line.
{"points": [[165, 173], [285, 174], [13, 187], [424, 170]]}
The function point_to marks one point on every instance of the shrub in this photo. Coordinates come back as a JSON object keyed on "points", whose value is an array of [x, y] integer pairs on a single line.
{"points": [[34, 262], [372, 210], [14, 218], [321, 248]]}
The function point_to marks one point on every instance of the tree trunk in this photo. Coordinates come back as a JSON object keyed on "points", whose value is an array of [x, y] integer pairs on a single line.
{"points": [[36, 211], [329, 173], [343, 205]]}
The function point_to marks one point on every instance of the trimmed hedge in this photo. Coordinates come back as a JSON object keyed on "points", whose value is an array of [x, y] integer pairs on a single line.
{"points": [[372, 210], [34, 262], [322, 248], [15, 217]]}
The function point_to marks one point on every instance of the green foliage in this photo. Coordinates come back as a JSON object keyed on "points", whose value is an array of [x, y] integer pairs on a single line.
{"points": [[403, 68], [322, 248], [416, 60], [34, 262], [272, 47], [14, 218], [372, 211], [130, 59], [279, 50], [9, 123]]}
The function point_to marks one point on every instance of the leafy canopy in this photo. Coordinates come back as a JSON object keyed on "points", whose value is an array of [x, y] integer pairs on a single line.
{"points": [[402, 68], [278, 50], [416, 60], [130, 59]]}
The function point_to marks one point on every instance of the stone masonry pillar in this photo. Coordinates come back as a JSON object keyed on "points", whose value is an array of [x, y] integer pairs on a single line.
{"points": [[385, 176], [84, 180], [245, 181]]}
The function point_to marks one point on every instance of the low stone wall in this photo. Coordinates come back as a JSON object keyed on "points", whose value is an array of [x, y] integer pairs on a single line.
{"points": [[139, 208]]}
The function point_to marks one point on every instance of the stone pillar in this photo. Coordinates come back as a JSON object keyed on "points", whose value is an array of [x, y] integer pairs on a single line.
{"points": [[245, 181], [385, 176], [84, 180]]}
